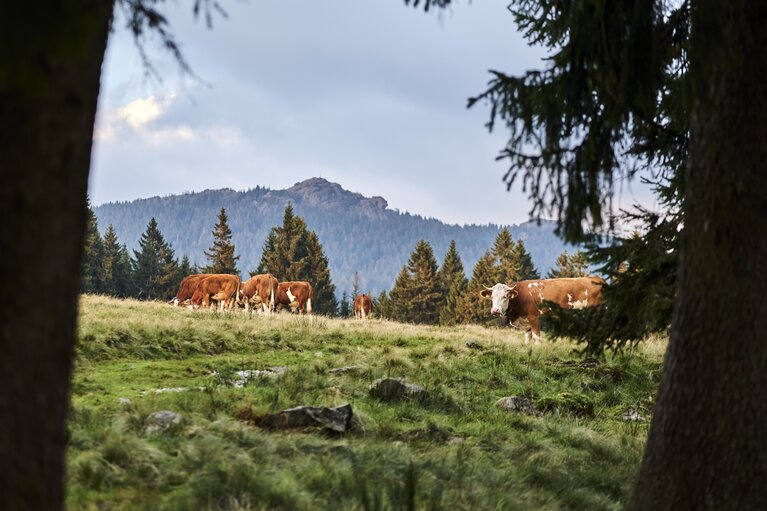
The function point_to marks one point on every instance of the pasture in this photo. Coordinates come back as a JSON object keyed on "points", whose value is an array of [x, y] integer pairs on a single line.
{"points": [[453, 449]]}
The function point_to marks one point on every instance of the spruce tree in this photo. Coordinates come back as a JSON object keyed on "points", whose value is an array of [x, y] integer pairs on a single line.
{"points": [[155, 270], [417, 296], [527, 270], [575, 265], [509, 267], [382, 306], [221, 254], [471, 308], [185, 268], [453, 283], [318, 275], [344, 307], [93, 253], [115, 265]]}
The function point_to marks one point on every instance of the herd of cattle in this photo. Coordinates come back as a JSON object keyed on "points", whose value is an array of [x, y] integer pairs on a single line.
{"points": [[520, 300], [262, 292]]}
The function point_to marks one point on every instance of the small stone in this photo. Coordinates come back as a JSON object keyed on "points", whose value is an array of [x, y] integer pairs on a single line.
{"points": [[456, 440], [124, 401], [170, 389], [161, 421], [474, 345], [518, 404], [633, 416], [345, 369], [396, 388], [253, 374]]}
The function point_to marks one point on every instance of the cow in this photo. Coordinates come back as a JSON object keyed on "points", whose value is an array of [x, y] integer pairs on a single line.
{"points": [[222, 287], [363, 306], [259, 289], [523, 299], [186, 288], [296, 295]]}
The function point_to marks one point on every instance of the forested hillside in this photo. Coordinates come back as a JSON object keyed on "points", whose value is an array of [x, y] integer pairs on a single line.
{"points": [[359, 234]]}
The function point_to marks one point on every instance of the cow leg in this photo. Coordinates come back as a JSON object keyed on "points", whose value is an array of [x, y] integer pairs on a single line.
{"points": [[527, 336], [535, 326]]}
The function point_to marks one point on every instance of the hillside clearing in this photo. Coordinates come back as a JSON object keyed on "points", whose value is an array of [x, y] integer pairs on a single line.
{"points": [[454, 449]]}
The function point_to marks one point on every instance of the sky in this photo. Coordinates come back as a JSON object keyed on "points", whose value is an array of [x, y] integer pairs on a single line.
{"points": [[370, 94]]}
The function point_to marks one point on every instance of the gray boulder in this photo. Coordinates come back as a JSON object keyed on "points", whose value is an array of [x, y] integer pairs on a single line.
{"points": [[161, 421], [474, 345], [337, 419], [396, 388]]}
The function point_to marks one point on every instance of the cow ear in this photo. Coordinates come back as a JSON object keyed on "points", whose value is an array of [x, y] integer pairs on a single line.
{"points": [[512, 293], [486, 292]]}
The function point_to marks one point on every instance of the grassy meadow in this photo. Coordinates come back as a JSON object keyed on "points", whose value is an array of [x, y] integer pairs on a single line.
{"points": [[455, 449]]}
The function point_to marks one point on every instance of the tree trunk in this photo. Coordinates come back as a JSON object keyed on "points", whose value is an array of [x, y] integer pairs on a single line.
{"points": [[707, 446], [50, 66]]}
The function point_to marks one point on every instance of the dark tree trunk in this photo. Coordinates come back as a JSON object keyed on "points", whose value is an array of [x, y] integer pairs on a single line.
{"points": [[50, 64], [707, 447]]}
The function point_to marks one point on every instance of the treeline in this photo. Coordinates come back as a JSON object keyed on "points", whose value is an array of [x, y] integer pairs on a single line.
{"points": [[422, 293], [291, 252], [430, 294]]}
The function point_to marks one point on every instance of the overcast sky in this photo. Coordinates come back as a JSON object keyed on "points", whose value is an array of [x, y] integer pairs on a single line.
{"points": [[366, 93]]}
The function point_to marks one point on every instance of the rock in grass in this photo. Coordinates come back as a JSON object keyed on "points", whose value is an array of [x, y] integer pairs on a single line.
{"points": [[161, 421], [518, 404], [246, 376], [337, 419], [396, 388], [474, 345], [124, 401], [344, 370], [633, 416]]}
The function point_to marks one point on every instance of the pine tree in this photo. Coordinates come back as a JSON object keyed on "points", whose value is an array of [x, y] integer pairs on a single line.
{"points": [[294, 253], [344, 307], [286, 249], [509, 267], [115, 265], [356, 285], [471, 308], [221, 254], [93, 253], [453, 283], [417, 296], [575, 265], [155, 270], [527, 270], [318, 275], [185, 268], [382, 306]]}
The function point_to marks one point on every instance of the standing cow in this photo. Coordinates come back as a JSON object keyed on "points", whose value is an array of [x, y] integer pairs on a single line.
{"points": [[259, 289], [296, 295], [363, 306], [222, 287], [523, 299]]}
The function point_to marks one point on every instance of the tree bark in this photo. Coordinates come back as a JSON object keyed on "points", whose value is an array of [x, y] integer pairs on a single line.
{"points": [[707, 446], [50, 65]]}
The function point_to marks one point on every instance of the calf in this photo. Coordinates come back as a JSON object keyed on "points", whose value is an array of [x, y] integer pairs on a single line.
{"points": [[523, 299], [186, 288], [296, 295], [363, 306], [259, 289]]}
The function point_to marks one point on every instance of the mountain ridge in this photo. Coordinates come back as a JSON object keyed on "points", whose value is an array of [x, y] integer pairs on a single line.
{"points": [[359, 234]]}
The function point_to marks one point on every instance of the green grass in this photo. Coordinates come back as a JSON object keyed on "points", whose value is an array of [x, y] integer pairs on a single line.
{"points": [[453, 450]]}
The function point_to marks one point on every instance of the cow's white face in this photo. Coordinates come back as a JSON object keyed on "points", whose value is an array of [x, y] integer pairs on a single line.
{"points": [[500, 294]]}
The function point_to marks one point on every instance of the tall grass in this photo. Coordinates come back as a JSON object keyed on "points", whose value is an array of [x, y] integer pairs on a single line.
{"points": [[453, 450]]}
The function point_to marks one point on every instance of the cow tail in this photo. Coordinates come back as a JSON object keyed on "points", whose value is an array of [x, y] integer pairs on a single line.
{"points": [[237, 293], [271, 299], [309, 302]]}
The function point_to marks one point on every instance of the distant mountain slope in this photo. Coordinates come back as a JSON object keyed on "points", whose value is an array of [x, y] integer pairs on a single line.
{"points": [[359, 234]]}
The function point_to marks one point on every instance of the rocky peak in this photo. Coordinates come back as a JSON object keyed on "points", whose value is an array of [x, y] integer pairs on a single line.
{"points": [[321, 193]]}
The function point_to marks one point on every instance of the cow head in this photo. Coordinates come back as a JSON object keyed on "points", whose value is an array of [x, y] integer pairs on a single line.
{"points": [[501, 294]]}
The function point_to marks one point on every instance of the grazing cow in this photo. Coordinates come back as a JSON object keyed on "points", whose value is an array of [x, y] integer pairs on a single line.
{"points": [[186, 288], [363, 306], [523, 299], [259, 289], [222, 287], [296, 295]]}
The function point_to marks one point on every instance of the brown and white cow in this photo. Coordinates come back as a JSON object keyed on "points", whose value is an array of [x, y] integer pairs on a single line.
{"points": [[523, 299], [186, 288], [259, 290], [296, 295], [222, 287], [363, 306]]}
